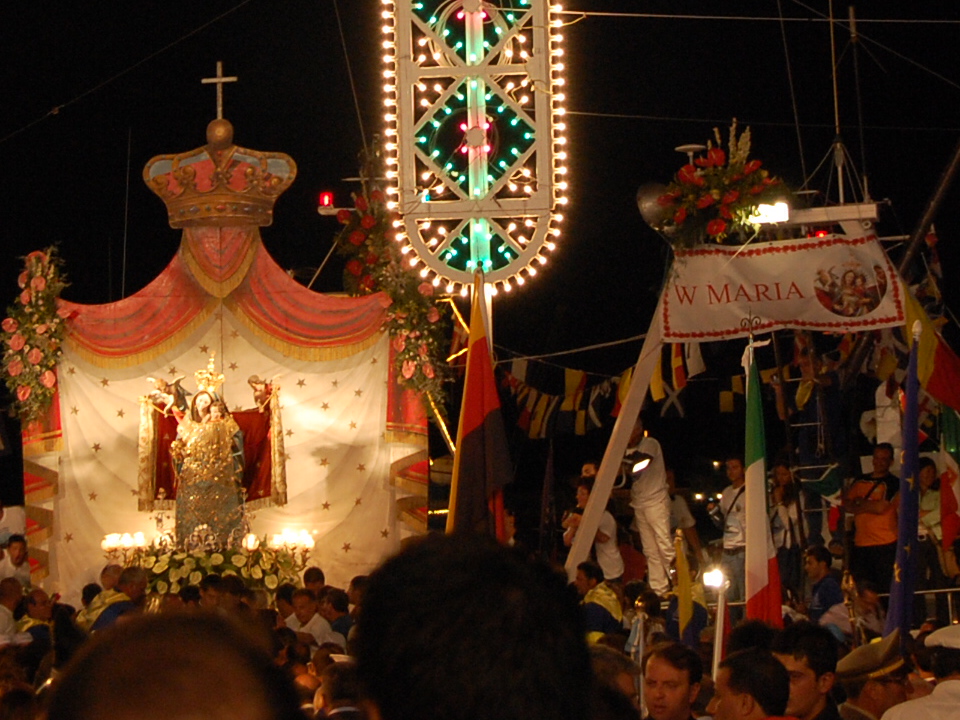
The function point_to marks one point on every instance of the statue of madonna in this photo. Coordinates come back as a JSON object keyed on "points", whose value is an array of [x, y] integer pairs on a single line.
{"points": [[208, 456]]}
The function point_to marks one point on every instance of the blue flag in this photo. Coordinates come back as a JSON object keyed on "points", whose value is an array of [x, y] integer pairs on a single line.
{"points": [[900, 613]]}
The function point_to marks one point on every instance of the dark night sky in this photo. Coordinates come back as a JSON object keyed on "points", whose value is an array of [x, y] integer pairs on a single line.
{"points": [[125, 73]]}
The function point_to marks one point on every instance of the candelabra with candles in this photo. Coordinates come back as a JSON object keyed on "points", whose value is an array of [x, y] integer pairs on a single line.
{"points": [[123, 548]]}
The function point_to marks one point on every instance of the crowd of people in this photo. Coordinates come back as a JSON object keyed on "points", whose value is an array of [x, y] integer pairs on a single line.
{"points": [[451, 628]]}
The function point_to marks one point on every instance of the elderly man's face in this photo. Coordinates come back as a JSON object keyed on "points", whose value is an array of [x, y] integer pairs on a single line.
{"points": [[304, 608], [39, 606]]}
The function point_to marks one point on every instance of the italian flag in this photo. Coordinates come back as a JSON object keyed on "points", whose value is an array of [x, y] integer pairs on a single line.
{"points": [[950, 476], [762, 573]]}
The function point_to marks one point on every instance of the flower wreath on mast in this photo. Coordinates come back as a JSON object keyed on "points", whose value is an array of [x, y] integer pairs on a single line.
{"points": [[715, 198]]}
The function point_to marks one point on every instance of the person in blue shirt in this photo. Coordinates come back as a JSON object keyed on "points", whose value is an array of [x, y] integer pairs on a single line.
{"points": [[826, 591]]}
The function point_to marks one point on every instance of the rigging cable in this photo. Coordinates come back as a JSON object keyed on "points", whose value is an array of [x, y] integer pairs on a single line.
{"points": [[353, 86], [793, 94]]}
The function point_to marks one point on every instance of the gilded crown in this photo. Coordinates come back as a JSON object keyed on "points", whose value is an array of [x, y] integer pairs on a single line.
{"points": [[220, 184], [209, 379]]}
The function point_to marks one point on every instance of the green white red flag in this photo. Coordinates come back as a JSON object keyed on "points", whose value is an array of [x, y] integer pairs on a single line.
{"points": [[762, 572]]}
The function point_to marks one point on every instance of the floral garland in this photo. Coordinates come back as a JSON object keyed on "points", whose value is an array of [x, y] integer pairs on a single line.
{"points": [[713, 199], [33, 334], [415, 321], [170, 570]]}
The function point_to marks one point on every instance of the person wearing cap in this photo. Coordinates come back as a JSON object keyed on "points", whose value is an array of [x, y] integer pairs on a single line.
{"points": [[944, 701], [874, 677]]}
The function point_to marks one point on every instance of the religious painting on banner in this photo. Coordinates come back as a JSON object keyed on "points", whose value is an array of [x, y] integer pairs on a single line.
{"points": [[831, 284]]}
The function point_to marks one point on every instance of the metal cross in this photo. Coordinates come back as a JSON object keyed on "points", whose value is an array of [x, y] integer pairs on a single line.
{"points": [[219, 80]]}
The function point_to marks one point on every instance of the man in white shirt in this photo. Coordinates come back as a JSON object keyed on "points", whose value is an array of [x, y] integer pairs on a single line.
{"points": [[11, 593], [733, 506], [605, 543], [307, 623], [650, 501], [15, 562], [944, 701]]}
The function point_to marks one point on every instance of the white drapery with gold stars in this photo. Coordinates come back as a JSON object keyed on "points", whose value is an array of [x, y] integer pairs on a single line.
{"points": [[337, 458]]}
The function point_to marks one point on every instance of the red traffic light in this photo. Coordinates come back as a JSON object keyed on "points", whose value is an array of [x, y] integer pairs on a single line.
{"points": [[326, 199]]}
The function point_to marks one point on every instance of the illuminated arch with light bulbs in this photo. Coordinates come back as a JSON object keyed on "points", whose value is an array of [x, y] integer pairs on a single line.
{"points": [[475, 146]]}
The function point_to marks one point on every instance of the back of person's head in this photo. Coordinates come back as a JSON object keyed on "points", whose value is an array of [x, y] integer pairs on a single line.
{"points": [[340, 684], [314, 575], [165, 667], [944, 662], [19, 703], [750, 634], [338, 599], [233, 585], [608, 664], [89, 592], [285, 592], [67, 636], [761, 676], [211, 582], [810, 642], [458, 627], [10, 590], [190, 595]]}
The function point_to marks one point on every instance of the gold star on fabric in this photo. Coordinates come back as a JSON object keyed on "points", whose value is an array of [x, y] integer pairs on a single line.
{"points": [[358, 393], [324, 462], [335, 383], [384, 533], [353, 425], [346, 547], [120, 413], [897, 573], [172, 370], [906, 548], [289, 433], [234, 334], [286, 456], [68, 537], [71, 371], [358, 501], [373, 361], [232, 366], [136, 492], [326, 506], [104, 382], [96, 447], [237, 408], [324, 406], [218, 315], [301, 382], [74, 410], [910, 482], [92, 496], [204, 349], [361, 467]]}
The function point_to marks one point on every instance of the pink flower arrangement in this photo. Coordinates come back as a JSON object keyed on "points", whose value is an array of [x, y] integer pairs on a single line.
{"points": [[48, 379], [16, 342], [10, 325]]}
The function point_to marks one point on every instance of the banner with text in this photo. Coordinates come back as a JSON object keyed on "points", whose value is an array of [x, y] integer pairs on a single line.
{"points": [[831, 284]]}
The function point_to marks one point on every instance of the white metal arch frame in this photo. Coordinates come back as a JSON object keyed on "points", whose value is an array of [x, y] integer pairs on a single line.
{"points": [[475, 145]]}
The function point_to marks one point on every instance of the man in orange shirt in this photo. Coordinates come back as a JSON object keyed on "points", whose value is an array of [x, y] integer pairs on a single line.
{"points": [[873, 500]]}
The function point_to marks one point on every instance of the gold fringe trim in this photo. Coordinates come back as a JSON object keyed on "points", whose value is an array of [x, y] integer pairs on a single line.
{"points": [[405, 438], [278, 460], [298, 352], [36, 448], [147, 458], [219, 288], [96, 359]]}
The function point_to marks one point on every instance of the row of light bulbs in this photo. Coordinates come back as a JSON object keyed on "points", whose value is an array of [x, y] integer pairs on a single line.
{"points": [[392, 160]]}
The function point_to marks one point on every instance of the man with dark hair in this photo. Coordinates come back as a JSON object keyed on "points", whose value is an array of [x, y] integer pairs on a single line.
{"points": [[671, 681], [605, 541], [340, 691], [614, 670], [873, 499], [211, 588], [944, 702], [335, 609], [314, 580], [809, 653], [825, 591], [874, 677], [307, 623], [174, 667], [15, 562], [601, 606], [461, 628], [750, 685], [11, 593], [284, 600], [733, 508]]}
